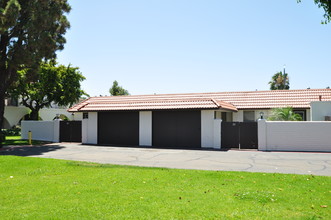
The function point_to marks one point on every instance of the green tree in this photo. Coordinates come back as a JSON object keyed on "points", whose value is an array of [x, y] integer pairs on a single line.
{"points": [[30, 30], [284, 114], [116, 90], [55, 84], [326, 5], [279, 81]]}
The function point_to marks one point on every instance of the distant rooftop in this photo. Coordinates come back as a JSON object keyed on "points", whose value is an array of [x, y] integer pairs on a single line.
{"points": [[231, 101]]}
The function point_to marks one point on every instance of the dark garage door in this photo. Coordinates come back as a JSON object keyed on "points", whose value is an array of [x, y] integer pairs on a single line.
{"points": [[176, 129], [70, 131], [118, 128], [241, 135]]}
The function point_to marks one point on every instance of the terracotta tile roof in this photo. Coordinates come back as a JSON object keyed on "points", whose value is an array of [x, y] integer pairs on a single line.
{"points": [[232, 101], [149, 103]]}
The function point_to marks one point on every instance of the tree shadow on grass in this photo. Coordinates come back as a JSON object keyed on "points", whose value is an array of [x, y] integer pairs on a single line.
{"points": [[28, 150]]}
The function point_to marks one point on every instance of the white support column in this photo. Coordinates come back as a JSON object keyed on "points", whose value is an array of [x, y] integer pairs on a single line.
{"points": [[90, 129], [262, 134], [56, 136], [207, 129], [145, 128], [84, 130], [217, 133]]}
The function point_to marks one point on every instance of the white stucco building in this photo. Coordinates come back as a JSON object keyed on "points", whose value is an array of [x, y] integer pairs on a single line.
{"points": [[189, 120]]}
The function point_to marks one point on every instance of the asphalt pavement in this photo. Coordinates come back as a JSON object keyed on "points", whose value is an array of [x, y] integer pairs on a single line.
{"points": [[231, 160]]}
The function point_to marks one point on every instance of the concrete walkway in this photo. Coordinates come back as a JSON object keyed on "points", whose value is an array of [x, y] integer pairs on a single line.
{"points": [[251, 161]]}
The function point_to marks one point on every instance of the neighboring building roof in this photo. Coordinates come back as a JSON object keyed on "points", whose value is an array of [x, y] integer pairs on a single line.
{"points": [[113, 103], [232, 101]]}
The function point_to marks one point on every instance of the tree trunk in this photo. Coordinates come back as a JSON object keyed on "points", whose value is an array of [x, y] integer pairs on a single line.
{"points": [[34, 115]]}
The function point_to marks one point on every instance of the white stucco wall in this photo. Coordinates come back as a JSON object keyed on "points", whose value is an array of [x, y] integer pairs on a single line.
{"points": [[41, 130], [14, 114], [210, 130], [48, 114], [294, 136], [90, 129], [145, 128], [319, 110]]}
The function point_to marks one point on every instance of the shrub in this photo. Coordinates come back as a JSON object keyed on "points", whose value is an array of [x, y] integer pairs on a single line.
{"points": [[15, 131], [284, 114]]}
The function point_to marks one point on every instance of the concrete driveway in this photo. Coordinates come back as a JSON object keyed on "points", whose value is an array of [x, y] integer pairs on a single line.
{"points": [[250, 161]]}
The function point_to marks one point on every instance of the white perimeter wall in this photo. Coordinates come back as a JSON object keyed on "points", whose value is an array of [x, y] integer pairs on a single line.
{"points": [[294, 136], [90, 129], [145, 128], [210, 130], [48, 114], [14, 114], [41, 130]]}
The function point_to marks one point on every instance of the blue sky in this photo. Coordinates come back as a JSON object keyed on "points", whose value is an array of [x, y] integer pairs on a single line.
{"points": [[185, 46]]}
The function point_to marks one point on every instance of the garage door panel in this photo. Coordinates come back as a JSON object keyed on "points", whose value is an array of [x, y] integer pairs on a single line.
{"points": [[177, 129], [118, 128]]}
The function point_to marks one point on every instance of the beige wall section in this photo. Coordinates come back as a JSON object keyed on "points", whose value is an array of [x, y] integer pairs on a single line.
{"points": [[238, 116], [210, 130], [90, 129], [308, 115], [145, 128], [294, 136], [266, 113], [319, 110]]}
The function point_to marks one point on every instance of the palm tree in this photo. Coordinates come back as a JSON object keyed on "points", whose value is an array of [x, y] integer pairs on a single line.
{"points": [[284, 114], [279, 81]]}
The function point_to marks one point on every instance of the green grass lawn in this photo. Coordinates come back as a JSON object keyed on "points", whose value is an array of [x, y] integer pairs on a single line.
{"points": [[16, 140], [37, 188]]}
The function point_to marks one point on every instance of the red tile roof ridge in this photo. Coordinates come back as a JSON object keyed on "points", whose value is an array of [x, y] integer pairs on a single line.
{"points": [[163, 99], [220, 93], [80, 105]]}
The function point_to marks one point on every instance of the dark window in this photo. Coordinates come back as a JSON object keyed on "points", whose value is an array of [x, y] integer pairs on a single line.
{"points": [[85, 115], [225, 116], [217, 115], [249, 116], [302, 113]]}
